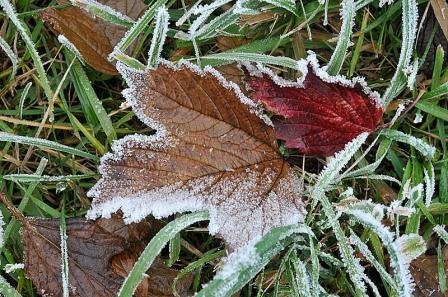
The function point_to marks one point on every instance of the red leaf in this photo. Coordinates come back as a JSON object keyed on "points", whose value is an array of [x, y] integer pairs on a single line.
{"points": [[317, 117]]}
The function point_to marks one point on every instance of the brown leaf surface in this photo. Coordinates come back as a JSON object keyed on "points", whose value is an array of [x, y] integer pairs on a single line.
{"points": [[95, 248], [93, 37], [440, 8], [211, 152], [424, 272], [225, 43]]}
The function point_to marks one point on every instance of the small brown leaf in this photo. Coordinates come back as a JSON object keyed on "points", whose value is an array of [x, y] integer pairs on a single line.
{"points": [[160, 278], [90, 246], [93, 37], [211, 151], [424, 272], [225, 43]]}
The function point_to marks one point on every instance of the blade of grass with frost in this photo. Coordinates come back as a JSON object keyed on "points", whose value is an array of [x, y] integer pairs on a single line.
{"points": [[64, 254], [347, 253], [441, 268], [23, 97], [139, 26], [325, 179], [39, 142], [203, 12], [6, 289], [425, 149], [9, 52], [364, 250], [154, 248], [315, 268], [348, 12], [243, 264], [253, 57], [26, 36], [430, 182], [104, 12], [440, 230], [158, 37], [436, 92], [128, 61], [71, 47], [289, 5], [2, 224], [401, 251], [26, 198], [339, 161], [188, 13], [30, 178], [433, 109], [208, 257], [381, 153], [174, 250], [302, 278], [379, 177], [88, 97], [217, 25], [409, 28], [248, 7]]}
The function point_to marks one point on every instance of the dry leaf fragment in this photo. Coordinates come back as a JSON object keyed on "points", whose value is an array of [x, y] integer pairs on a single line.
{"points": [[160, 278], [91, 247], [440, 8], [93, 37], [424, 272], [211, 151], [320, 113]]}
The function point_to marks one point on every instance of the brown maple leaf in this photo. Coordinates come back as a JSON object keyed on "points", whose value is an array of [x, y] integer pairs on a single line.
{"points": [[95, 250], [211, 151], [93, 37]]}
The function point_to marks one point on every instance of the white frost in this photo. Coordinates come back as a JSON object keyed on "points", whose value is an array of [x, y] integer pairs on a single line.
{"points": [[311, 62], [13, 267], [71, 47]]}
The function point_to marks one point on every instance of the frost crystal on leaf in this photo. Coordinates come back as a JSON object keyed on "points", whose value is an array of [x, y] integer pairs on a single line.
{"points": [[71, 47], [2, 223], [13, 267], [211, 151]]}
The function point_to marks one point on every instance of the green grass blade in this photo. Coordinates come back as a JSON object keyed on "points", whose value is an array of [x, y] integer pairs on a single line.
{"points": [[87, 96], [436, 92], [26, 36], [154, 247], [348, 13], [139, 26], [252, 57], [242, 265], [104, 12], [425, 149], [23, 97], [9, 52], [433, 109], [158, 37], [409, 25], [45, 143], [6, 289], [64, 254], [30, 178], [289, 5]]}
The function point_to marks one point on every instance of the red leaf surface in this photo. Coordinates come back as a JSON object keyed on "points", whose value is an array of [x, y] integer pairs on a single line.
{"points": [[317, 117]]}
